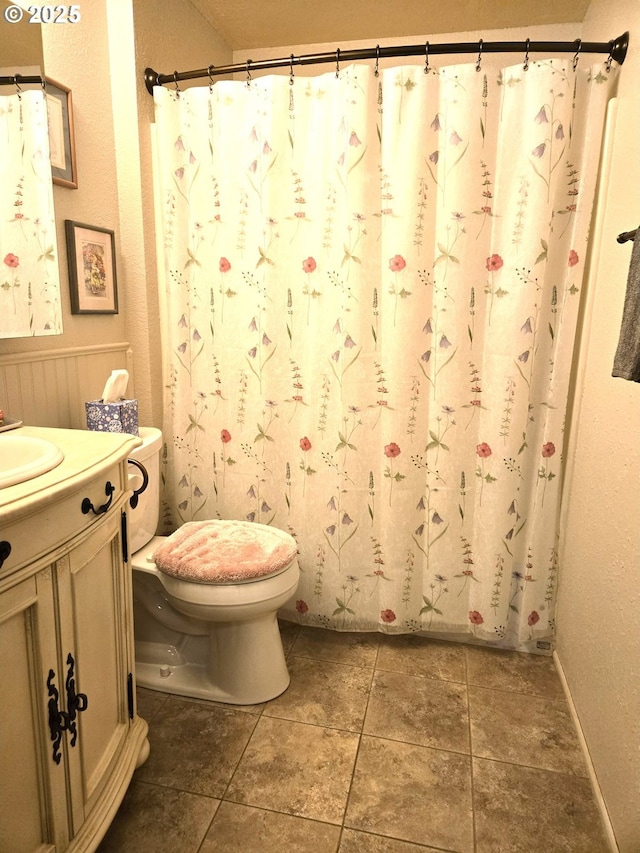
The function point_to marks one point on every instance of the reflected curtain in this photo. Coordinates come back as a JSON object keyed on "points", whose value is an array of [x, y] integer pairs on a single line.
{"points": [[372, 289], [29, 277]]}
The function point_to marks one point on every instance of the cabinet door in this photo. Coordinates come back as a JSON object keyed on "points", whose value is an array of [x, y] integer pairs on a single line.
{"points": [[93, 585], [33, 813]]}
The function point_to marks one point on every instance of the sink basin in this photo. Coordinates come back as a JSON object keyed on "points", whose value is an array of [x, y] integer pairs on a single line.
{"points": [[23, 457]]}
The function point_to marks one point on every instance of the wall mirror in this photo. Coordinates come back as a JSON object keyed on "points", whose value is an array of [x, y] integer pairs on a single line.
{"points": [[30, 303]]}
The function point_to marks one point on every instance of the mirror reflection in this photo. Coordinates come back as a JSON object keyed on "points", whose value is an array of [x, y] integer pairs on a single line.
{"points": [[29, 277]]}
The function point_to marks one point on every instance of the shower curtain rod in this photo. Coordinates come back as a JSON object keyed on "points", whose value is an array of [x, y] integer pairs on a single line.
{"points": [[17, 80], [627, 235], [616, 49]]}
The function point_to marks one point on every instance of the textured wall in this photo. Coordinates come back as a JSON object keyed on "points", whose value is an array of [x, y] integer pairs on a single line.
{"points": [[599, 597], [20, 43]]}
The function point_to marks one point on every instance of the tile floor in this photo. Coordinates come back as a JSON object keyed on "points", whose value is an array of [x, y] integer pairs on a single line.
{"points": [[381, 744]]}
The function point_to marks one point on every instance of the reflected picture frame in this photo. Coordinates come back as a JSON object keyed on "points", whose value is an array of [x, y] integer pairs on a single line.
{"points": [[62, 147], [91, 256]]}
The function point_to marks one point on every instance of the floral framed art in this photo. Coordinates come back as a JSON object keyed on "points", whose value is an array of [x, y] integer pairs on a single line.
{"points": [[92, 269], [62, 148]]}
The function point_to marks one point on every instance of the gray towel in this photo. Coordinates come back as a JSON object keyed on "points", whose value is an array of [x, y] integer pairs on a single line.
{"points": [[626, 363]]}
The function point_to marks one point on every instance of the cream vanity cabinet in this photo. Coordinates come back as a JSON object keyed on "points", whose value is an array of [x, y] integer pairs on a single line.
{"points": [[70, 738]]}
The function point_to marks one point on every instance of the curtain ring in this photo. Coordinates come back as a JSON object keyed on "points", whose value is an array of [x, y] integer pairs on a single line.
{"points": [[577, 55], [291, 71], [209, 70], [607, 64], [249, 78], [337, 62], [479, 59], [376, 70], [426, 58], [17, 85], [526, 56], [175, 80]]}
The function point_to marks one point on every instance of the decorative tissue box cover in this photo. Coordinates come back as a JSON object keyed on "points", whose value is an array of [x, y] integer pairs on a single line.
{"points": [[113, 417]]}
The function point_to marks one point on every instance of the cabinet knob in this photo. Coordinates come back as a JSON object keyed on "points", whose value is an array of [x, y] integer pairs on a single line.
{"points": [[5, 550]]}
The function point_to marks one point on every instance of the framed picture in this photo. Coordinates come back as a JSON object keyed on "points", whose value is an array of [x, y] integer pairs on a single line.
{"points": [[92, 269], [62, 145]]}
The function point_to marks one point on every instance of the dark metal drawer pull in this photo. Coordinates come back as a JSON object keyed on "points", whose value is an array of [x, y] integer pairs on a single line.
{"points": [[58, 720], [76, 702], [87, 506]]}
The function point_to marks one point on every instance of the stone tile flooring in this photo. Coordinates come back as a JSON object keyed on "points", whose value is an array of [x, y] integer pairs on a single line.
{"points": [[381, 744]]}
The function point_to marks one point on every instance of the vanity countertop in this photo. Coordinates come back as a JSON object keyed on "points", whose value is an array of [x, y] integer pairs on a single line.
{"points": [[85, 452]]}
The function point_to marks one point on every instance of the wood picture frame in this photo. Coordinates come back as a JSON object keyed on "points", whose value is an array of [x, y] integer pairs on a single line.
{"points": [[62, 146], [91, 255]]}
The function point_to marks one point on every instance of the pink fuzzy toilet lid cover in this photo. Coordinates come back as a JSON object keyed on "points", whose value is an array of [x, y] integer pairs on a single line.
{"points": [[216, 551]]}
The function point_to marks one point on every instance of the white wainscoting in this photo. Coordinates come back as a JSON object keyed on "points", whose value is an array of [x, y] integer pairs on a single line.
{"points": [[50, 387]]}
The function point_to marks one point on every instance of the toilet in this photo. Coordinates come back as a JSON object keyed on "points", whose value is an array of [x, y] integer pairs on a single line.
{"points": [[206, 626]]}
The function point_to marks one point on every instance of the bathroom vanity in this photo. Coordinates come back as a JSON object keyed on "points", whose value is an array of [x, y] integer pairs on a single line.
{"points": [[70, 738]]}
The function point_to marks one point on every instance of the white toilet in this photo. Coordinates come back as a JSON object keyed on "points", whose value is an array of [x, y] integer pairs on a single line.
{"points": [[210, 639]]}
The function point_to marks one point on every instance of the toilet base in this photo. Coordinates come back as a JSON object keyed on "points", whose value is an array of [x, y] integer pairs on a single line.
{"points": [[251, 669]]}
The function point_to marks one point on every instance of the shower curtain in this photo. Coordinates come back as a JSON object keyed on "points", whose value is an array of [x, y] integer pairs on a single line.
{"points": [[372, 287], [29, 277]]}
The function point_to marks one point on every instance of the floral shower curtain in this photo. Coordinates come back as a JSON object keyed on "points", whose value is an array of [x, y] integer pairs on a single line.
{"points": [[29, 278], [372, 287]]}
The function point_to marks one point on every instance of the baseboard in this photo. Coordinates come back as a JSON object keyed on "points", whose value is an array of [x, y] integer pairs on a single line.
{"points": [[602, 808]]}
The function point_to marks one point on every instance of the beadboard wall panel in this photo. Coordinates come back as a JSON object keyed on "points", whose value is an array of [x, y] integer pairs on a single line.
{"points": [[49, 388]]}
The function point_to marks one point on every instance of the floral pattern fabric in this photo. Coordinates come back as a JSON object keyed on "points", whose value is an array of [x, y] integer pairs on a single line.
{"points": [[29, 277], [372, 289]]}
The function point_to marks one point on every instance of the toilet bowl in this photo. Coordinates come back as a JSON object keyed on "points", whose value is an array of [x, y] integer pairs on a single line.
{"points": [[209, 640]]}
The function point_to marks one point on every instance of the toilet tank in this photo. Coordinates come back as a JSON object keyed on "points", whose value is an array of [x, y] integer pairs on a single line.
{"points": [[143, 520]]}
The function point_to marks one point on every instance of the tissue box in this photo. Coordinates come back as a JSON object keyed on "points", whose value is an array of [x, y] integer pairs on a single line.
{"points": [[113, 417]]}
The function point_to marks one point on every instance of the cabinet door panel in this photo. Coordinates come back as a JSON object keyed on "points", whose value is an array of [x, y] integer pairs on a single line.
{"points": [[98, 648], [32, 813]]}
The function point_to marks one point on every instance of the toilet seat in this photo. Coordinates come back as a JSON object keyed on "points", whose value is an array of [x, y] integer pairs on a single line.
{"points": [[218, 552]]}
